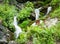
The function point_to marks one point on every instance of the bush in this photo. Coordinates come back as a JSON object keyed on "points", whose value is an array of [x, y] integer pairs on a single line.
{"points": [[37, 35], [57, 27], [55, 2], [7, 13], [56, 13], [26, 11], [24, 24]]}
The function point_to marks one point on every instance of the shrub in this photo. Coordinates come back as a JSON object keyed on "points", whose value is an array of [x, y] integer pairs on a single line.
{"points": [[55, 2], [25, 23], [56, 13], [57, 27], [7, 12], [26, 11], [37, 35]]}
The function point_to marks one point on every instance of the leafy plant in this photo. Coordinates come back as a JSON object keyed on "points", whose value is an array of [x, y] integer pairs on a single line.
{"points": [[38, 36], [55, 2], [29, 4], [25, 12], [56, 13], [7, 12], [57, 27], [25, 23]]}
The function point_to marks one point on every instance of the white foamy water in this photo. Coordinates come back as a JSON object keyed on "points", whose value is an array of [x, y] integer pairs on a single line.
{"points": [[37, 13], [48, 10], [15, 21], [18, 30]]}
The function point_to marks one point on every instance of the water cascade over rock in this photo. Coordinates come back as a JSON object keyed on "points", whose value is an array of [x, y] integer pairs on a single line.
{"points": [[48, 10], [18, 30], [37, 13], [48, 22]]}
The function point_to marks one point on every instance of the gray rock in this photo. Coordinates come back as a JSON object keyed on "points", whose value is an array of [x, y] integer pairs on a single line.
{"points": [[5, 35], [12, 42], [51, 22]]}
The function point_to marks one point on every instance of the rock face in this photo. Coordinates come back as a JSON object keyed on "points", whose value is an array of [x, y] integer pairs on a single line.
{"points": [[4, 35], [3, 38], [12, 42]]}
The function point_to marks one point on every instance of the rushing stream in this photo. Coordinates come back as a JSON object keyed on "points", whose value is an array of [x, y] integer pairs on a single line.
{"points": [[18, 30], [48, 10], [37, 13]]}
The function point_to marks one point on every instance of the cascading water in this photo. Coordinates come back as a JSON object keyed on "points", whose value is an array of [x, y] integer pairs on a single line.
{"points": [[37, 13], [18, 30], [48, 10], [15, 21]]}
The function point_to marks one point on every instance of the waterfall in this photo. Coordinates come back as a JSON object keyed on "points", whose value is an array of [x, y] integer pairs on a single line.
{"points": [[37, 12], [15, 21], [48, 10], [18, 30]]}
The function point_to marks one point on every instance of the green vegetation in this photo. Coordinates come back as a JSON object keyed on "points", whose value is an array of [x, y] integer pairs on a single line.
{"points": [[35, 35], [56, 13], [40, 35], [26, 11], [7, 13]]}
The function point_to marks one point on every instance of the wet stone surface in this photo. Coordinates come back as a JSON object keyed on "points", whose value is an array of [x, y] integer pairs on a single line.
{"points": [[4, 35]]}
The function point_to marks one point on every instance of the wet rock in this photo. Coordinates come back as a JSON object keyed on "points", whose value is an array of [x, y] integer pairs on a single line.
{"points": [[5, 35], [12, 42], [3, 38], [51, 22]]}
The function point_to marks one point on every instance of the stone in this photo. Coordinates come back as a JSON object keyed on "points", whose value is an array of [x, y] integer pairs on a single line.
{"points": [[12, 42], [51, 22], [4, 35]]}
